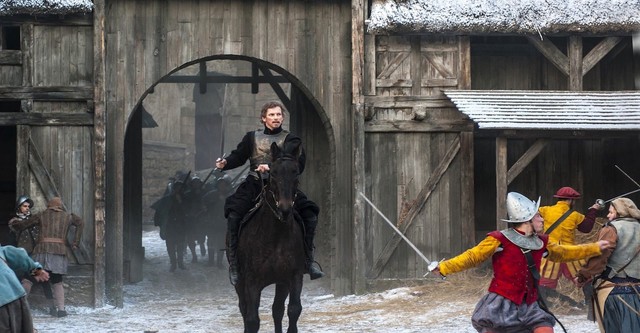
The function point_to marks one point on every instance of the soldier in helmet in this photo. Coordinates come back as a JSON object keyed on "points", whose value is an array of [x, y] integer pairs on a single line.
{"points": [[560, 223], [27, 238], [51, 251], [255, 147], [511, 304]]}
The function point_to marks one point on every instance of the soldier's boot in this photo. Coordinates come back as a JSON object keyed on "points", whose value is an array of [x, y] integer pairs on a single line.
{"points": [[233, 223], [311, 266], [58, 300]]}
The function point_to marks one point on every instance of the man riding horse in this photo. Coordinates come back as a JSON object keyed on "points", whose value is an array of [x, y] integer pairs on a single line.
{"points": [[255, 147]]}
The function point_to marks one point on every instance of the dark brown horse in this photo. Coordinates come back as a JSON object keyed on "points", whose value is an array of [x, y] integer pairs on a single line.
{"points": [[270, 247]]}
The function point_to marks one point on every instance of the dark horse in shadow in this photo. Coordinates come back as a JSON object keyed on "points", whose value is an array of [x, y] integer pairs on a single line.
{"points": [[270, 247]]}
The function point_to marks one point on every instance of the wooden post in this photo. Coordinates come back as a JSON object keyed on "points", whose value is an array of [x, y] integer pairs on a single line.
{"points": [[99, 153], [23, 178], [467, 199], [575, 63], [416, 65], [501, 180], [464, 56], [636, 59], [357, 67]]}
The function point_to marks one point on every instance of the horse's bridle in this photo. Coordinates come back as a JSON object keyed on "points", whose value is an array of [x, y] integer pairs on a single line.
{"points": [[275, 210]]}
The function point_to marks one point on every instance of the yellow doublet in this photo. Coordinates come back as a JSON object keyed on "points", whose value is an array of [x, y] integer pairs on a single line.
{"points": [[471, 257], [487, 247], [564, 234]]}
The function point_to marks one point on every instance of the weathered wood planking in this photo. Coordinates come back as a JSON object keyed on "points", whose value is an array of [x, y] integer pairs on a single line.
{"points": [[409, 109], [296, 37]]}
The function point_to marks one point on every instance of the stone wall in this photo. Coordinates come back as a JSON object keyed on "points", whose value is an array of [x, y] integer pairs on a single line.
{"points": [[160, 160]]}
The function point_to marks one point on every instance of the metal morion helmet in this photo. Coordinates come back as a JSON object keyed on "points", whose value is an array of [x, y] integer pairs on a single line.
{"points": [[520, 208], [22, 200], [567, 193]]}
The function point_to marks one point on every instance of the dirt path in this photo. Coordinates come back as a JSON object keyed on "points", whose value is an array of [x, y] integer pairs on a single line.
{"points": [[201, 299]]}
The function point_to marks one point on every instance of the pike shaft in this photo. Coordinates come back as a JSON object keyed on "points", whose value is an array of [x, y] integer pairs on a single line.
{"points": [[395, 228]]}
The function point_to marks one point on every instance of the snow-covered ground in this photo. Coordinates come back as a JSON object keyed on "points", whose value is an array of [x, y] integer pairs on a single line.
{"points": [[201, 299]]}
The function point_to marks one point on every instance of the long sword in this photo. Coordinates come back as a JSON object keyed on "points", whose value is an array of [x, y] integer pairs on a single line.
{"points": [[624, 173], [601, 202], [431, 264]]}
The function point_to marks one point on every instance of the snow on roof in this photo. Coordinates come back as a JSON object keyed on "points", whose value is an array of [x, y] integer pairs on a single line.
{"points": [[33, 7], [504, 16], [542, 110]]}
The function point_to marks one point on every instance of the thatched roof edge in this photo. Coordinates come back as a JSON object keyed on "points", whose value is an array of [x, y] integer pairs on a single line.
{"points": [[504, 16], [45, 7]]}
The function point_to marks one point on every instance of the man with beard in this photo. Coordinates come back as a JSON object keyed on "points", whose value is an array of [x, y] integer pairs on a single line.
{"points": [[255, 147]]}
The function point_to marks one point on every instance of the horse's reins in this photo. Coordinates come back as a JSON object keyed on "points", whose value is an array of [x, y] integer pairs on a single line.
{"points": [[275, 209]]}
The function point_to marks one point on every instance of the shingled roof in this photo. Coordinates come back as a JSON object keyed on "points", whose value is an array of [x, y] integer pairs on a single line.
{"points": [[549, 110], [504, 16], [42, 7]]}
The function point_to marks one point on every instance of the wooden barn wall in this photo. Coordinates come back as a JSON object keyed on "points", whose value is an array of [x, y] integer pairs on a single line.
{"points": [[145, 40], [581, 160], [55, 158], [410, 131]]}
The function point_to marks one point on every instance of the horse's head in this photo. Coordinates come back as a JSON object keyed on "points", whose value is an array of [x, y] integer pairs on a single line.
{"points": [[283, 179]]}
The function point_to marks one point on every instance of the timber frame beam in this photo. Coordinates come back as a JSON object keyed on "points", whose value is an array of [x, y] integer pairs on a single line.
{"points": [[574, 65], [415, 208], [505, 175]]}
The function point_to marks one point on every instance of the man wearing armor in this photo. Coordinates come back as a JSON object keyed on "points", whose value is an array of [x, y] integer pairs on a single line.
{"points": [[511, 304], [51, 250], [255, 147], [616, 273]]}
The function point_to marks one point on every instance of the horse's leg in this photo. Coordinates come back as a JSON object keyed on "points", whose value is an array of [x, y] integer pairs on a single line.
{"points": [[212, 254], [277, 309], [295, 305], [191, 243], [221, 257], [251, 297], [202, 239], [171, 251], [180, 240]]}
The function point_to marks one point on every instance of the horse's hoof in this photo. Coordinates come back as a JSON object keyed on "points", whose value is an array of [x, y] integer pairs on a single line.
{"points": [[173, 268], [181, 266]]}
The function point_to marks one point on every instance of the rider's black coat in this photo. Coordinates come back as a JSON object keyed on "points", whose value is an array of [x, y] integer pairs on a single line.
{"points": [[247, 193]]}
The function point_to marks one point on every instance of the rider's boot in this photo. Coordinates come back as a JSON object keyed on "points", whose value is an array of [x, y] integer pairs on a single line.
{"points": [[311, 267], [233, 223]]}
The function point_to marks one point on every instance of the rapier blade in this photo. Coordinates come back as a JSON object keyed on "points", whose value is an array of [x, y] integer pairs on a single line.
{"points": [[431, 264]]}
